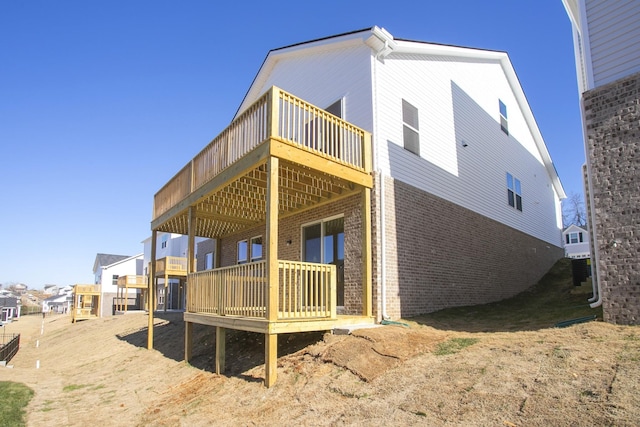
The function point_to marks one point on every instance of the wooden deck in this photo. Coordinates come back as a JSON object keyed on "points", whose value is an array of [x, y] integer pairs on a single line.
{"points": [[280, 157], [86, 302], [171, 266], [130, 282]]}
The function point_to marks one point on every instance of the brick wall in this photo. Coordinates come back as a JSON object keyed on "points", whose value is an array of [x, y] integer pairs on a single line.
{"points": [[204, 247], [612, 121], [441, 255]]}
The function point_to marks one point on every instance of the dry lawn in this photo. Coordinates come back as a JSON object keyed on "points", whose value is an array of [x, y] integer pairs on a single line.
{"points": [[505, 371]]}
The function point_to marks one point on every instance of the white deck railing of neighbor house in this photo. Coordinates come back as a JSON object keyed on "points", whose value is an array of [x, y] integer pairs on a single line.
{"points": [[276, 115], [305, 291]]}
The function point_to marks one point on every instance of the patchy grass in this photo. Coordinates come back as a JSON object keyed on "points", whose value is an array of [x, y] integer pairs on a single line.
{"points": [[454, 345], [73, 387], [552, 300], [14, 398]]}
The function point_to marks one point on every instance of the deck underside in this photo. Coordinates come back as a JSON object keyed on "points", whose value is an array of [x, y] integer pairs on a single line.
{"points": [[279, 327]]}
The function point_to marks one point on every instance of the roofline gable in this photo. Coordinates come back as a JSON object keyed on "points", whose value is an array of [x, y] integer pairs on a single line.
{"points": [[123, 261], [383, 44]]}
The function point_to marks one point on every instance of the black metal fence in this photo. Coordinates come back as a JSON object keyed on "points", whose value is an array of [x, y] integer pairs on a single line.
{"points": [[9, 346]]}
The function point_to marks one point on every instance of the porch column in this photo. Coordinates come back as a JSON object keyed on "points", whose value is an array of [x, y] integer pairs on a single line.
{"points": [[152, 288], [366, 253], [271, 340], [191, 267]]}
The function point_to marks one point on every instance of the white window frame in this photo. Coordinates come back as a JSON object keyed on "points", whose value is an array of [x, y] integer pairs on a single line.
{"points": [[238, 259], [250, 250], [514, 186], [209, 262], [504, 122], [410, 128]]}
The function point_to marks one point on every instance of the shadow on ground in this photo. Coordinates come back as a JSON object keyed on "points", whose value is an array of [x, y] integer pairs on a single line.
{"points": [[244, 350]]}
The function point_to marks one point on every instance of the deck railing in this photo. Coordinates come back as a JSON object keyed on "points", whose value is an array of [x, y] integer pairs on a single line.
{"points": [[86, 289], [171, 264], [305, 290], [132, 281], [278, 115]]}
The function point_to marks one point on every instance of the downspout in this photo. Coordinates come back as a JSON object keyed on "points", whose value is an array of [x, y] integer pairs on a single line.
{"points": [[380, 218], [383, 249], [380, 53], [597, 291]]}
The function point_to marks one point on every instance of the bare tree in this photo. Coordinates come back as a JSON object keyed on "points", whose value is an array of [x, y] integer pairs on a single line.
{"points": [[573, 211]]}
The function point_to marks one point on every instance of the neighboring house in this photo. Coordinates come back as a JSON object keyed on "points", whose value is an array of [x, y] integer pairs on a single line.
{"points": [[576, 242], [20, 288], [606, 37], [50, 290], [366, 177], [107, 269], [60, 303], [9, 308], [171, 269]]}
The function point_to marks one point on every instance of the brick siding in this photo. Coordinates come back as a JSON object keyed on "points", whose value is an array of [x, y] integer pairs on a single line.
{"points": [[441, 255], [612, 119]]}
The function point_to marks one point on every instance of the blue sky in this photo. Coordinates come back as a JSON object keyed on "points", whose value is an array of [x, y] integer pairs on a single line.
{"points": [[103, 102]]}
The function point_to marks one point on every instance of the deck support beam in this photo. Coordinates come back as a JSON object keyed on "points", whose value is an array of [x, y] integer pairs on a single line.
{"points": [[271, 359], [152, 290], [191, 267], [271, 340], [188, 341], [221, 343]]}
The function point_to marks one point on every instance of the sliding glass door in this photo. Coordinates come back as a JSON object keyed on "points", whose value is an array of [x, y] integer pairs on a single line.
{"points": [[323, 242]]}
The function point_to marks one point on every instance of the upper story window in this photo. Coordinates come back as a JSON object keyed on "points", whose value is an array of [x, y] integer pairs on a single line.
{"points": [[114, 279], [504, 124], [514, 192], [243, 252], [572, 238], [410, 128], [256, 248]]}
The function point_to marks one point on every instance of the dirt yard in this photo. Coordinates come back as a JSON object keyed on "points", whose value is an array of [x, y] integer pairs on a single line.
{"points": [[99, 372]]}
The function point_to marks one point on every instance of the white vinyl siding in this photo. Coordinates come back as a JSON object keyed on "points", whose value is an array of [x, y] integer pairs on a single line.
{"points": [[460, 100], [614, 32], [327, 76], [457, 100]]}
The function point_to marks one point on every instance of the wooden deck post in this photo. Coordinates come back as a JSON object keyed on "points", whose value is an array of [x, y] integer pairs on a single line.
{"points": [[221, 342], [191, 267], [152, 280], [188, 347], [271, 340]]}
